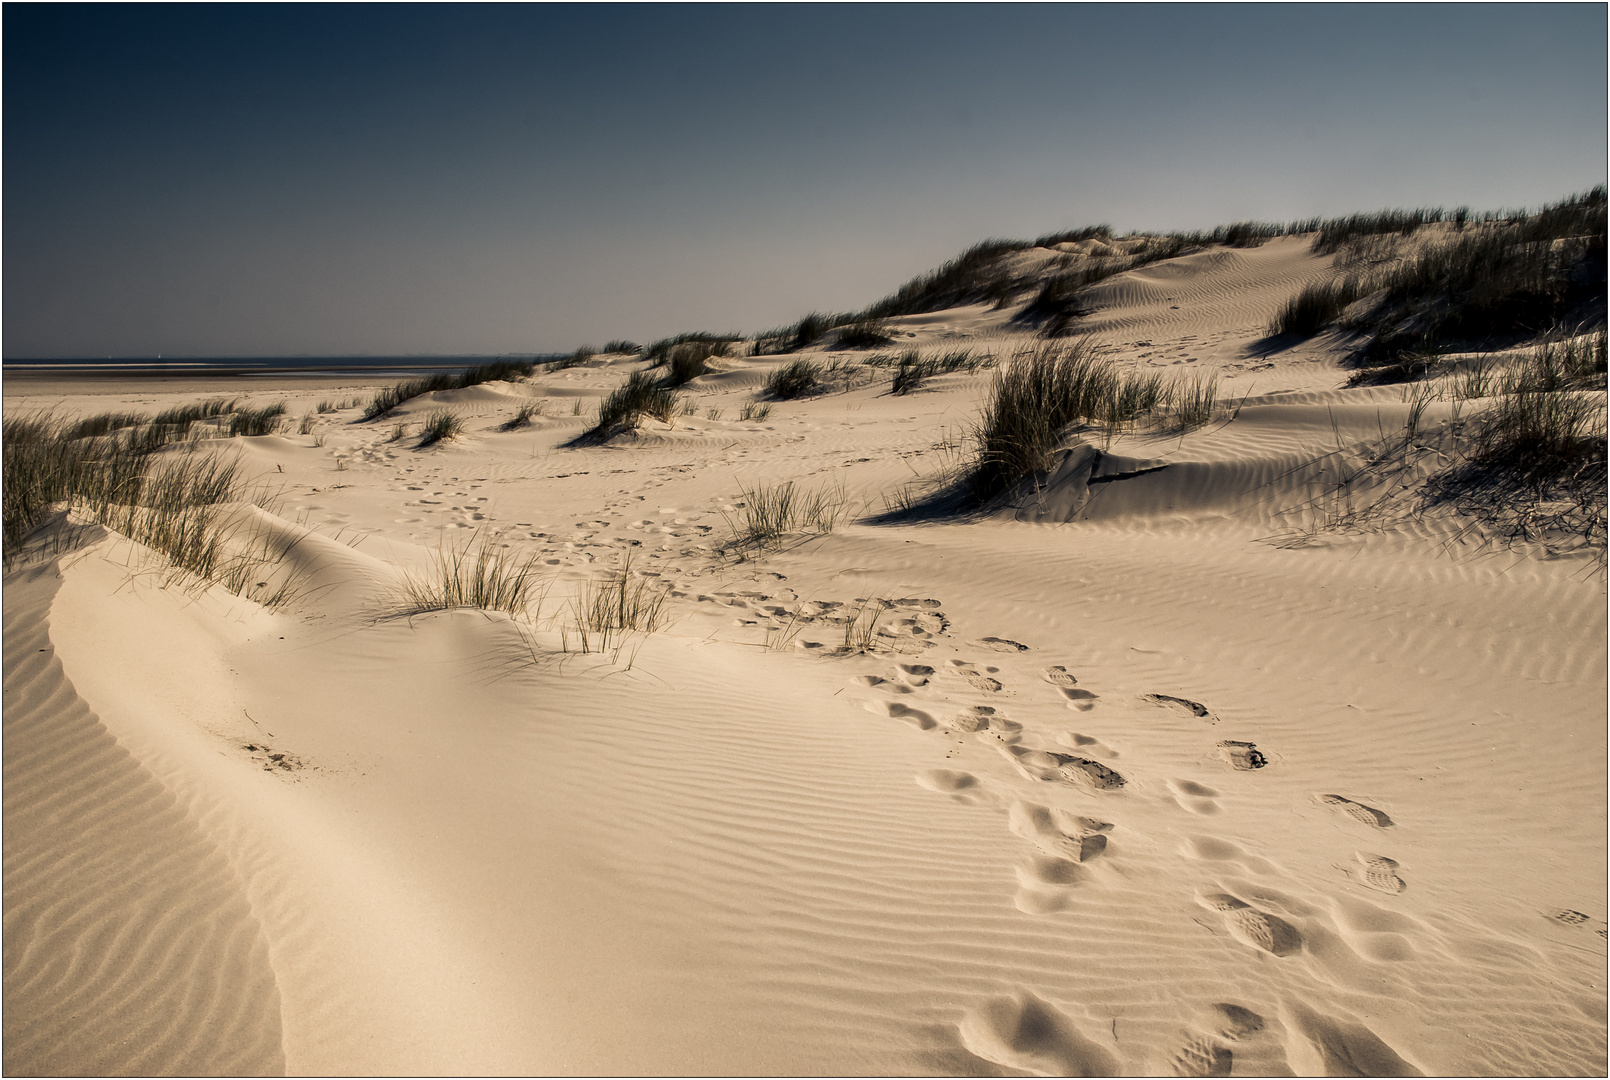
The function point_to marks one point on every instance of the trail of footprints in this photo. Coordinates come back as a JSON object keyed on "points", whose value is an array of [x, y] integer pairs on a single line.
{"points": [[1069, 849], [1065, 842]]}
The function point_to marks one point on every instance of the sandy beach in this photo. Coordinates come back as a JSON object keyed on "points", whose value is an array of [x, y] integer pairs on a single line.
{"points": [[1170, 763]]}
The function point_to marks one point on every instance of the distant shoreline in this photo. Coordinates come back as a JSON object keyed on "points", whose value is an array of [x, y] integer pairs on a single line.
{"points": [[224, 373]]}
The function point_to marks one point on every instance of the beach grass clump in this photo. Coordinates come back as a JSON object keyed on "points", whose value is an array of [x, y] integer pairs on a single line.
{"points": [[576, 358], [620, 346], [1536, 466], [659, 352], [103, 424], [522, 417], [440, 426], [1193, 401], [1496, 282], [864, 333], [1316, 306], [185, 415], [605, 611], [798, 379], [979, 274], [861, 625], [263, 421], [687, 361], [480, 574], [497, 371], [771, 513], [912, 367], [624, 409], [755, 411], [178, 506], [1036, 396]]}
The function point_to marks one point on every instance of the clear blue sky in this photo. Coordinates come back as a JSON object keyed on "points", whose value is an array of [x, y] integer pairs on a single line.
{"points": [[279, 179]]}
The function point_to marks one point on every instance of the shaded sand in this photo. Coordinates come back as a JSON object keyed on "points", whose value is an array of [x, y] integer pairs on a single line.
{"points": [[1146, 773]]}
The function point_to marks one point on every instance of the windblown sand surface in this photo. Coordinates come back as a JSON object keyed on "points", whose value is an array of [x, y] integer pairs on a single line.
{"points": [[1146, 774]]}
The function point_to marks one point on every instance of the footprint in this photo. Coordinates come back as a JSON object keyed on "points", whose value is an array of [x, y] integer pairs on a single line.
{"points": [[1338, 1048], [1195, 708], [1057, 675], [914, 674], [1232, 1021], [1572, 917], [1358, 811], [1252, 927], [1086, 742], [1048, 870], [1028, 1033], [1243, 755], [1057, 832], [1378, 872], [1197, 798], [1208, 847], [1083, 700], [1002, 644], [1045, 765], [894, 709], [1201, 1057], [981, 681], [927, 605], [947, 781]]}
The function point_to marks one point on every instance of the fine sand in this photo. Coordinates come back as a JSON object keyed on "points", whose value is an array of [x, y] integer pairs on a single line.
{"points": [[1146, 773]]}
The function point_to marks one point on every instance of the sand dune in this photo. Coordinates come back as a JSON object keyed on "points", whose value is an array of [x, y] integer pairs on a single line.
{"points": [[1146, 773]]}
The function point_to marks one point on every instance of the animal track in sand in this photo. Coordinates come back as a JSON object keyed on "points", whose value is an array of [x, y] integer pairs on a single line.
{"points": [[1379, 873], [1252, 927], [1243, 755], [1001, 644], [1358, 811], [1048, 766], [1195, 708]]}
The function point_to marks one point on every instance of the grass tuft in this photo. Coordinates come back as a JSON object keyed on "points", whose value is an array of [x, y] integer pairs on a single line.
{"points": [[623, 410], [607, 611], [256, 421], [771, 514], [1316, 306], [501, 370], [864, 333], [477, 575], [1036, 396], [522, 418], [795, 380], [439, 426]]}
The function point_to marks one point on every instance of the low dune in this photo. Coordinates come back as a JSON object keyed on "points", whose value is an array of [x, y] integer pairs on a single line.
{"points": [[1211, 749]]}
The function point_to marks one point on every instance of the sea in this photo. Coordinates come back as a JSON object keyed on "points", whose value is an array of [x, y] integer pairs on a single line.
{"points": [[377, 367]]}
